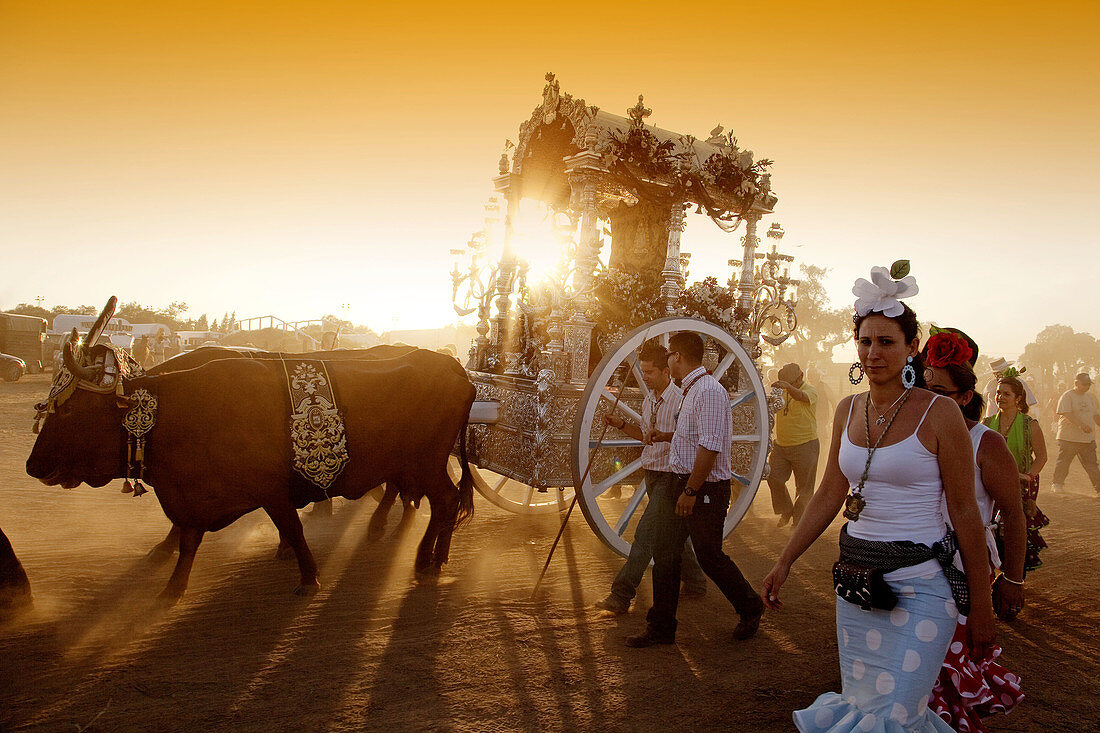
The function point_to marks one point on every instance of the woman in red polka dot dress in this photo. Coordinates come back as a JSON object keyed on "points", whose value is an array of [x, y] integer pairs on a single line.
{"points": [[967, 689]]}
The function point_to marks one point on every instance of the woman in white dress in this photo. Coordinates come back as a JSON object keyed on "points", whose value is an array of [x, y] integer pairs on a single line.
{"points": [[898, 451]]}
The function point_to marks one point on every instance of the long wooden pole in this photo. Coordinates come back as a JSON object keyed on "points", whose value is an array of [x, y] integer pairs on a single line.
{"points": [[577, 489]]}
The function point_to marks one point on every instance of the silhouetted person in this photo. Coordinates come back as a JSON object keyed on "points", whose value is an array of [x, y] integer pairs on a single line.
{"points": [[796, 445], [1078, 416]]}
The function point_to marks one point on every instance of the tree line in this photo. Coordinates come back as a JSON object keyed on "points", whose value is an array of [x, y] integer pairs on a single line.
{"points": [[173, 316]]}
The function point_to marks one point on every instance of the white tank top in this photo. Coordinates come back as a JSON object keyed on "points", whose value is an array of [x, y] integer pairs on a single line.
{"points": [[904, 494], [985, 501]]}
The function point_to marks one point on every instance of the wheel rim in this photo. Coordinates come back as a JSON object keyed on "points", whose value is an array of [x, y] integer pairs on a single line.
{"points": [[618, 461], [515, 496]]}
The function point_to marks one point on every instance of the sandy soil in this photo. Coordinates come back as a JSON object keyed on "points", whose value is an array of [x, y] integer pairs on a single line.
{"points": [[375, 650]]}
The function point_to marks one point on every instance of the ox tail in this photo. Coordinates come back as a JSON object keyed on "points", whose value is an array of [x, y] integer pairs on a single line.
{"points": [[465, 483]]}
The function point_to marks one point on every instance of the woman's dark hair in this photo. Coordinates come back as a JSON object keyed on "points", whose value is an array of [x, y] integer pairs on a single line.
{"points": [[1018, 389], [963, 377], [910, 329]]}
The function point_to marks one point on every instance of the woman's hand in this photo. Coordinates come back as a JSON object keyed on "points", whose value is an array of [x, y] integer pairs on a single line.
{"points": [[772, 583], [980, 633], [1010, 600]]}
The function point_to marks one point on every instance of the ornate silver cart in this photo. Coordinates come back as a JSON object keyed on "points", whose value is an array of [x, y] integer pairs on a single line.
{"points": [[534, 362]]}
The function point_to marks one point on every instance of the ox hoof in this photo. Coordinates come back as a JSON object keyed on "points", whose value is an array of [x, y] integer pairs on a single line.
{"points": [[432, 571], [167, 599], [306, 589], [375, 535], [285, 553]]}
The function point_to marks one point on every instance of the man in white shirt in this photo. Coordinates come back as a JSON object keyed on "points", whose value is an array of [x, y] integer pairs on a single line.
{"points": [[1077, 414], [701, 458], [658, 423]]}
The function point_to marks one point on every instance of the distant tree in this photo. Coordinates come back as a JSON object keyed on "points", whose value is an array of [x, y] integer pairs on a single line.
{"points": [[1058, 353], [25, 309], [201, 324], [232, 324], [225, 324], [821, 328]]}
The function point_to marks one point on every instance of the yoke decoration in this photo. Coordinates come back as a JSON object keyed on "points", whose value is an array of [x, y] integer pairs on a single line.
{"points": [[317, 436], [138, 421]]}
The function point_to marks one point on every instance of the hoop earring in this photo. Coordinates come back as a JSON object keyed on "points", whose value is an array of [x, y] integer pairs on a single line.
{"points": [[909, 374], [855, 366]]}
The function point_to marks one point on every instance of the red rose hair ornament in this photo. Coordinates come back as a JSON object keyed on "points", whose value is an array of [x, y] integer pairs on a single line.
{"points": [[945, 348]]}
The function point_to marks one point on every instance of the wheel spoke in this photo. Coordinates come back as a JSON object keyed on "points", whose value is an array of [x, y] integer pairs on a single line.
{"points": [[745, 439], [621, 443], [607, 483], [631, 507], [724, 365], [530, 493], [637, 370], [500, 484], [621, 406], [741, 398], [743, 480]]}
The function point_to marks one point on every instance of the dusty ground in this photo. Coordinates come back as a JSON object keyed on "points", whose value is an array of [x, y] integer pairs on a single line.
{"points": [[375, 650]]}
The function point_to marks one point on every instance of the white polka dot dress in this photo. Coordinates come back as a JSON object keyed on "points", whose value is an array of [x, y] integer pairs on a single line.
{"points": [[889, 662]]}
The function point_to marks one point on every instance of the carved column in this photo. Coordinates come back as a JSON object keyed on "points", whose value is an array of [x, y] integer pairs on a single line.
{"points": [[583, 170], [672, 277], [747, 283], [746, 287], [505, 280]]}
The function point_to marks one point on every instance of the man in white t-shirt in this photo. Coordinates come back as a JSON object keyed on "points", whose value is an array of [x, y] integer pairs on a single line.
{"points": [[1078, 416]]}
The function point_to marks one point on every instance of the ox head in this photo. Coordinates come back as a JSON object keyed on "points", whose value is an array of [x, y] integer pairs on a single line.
{"points": [[80, 436]]}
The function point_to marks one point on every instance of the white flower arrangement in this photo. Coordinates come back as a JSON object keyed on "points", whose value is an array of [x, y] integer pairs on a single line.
{"points": [[883, 293]]}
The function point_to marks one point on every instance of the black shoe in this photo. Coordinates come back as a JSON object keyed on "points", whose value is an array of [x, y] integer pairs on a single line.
{"points": [[783, 520], [649, 638], [748, 626], [613, 604]]}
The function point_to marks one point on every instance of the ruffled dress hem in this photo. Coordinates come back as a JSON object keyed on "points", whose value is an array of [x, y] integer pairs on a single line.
{"points": [[965, 692], [831, 713]]}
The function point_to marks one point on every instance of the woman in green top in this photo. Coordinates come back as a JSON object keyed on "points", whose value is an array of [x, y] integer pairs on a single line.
{"points": [[1025, 441]]}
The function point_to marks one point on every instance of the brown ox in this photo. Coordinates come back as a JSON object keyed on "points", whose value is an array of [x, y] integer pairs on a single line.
{"points": [[221, 445], [206, 354]]}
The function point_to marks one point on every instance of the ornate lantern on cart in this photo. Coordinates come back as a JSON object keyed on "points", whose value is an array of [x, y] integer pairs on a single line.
{"points": [[549, 355]]}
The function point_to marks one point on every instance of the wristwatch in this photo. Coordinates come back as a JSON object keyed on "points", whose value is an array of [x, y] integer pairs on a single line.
{"points": [[688, 491]]}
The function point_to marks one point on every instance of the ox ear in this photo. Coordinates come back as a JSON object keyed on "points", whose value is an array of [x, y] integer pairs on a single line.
{"points": [[100, 324]]}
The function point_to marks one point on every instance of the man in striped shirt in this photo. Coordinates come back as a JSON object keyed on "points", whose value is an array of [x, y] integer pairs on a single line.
{"points": [[658, 423], [701, 459]]}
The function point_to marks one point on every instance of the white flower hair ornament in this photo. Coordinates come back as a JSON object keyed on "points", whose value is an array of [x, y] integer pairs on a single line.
{"points": [[883, 293]]}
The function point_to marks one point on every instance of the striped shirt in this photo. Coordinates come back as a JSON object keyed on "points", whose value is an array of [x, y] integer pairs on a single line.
{"points": [[656, 457], [706, 420]]}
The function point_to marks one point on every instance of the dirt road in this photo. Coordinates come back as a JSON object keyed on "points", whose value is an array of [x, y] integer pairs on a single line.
{"points": [[375, 650]]}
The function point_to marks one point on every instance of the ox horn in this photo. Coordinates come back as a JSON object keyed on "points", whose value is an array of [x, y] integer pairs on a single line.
{"points": [[79, 370], [100, 324]]}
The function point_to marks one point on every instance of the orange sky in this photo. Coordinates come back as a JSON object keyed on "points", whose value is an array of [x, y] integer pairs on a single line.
{"points": [[291, 157]]}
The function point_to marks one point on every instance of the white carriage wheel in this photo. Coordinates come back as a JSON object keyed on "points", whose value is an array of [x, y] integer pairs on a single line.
{"points": [[514, 496], [611, 519]]}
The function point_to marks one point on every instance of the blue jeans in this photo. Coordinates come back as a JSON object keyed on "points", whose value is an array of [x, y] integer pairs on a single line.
{"points": [[655, 520]]}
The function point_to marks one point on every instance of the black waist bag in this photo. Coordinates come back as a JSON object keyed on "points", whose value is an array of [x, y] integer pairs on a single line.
{"points": [[863, 586]]}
